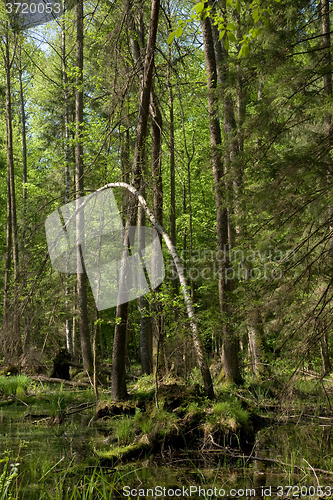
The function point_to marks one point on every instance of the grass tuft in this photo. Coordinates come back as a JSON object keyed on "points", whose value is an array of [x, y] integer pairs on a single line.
{"points": [[16, 385]]}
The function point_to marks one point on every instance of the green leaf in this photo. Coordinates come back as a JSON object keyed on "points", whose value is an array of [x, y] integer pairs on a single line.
{"points": [[221, 35], [99, 321], [171, 38], [255, 15], [246, 49], [229, 3], [231, 37], [231, 27], [264, 18], [179, 31], [226, 43], [238, 6], [199, 7]]}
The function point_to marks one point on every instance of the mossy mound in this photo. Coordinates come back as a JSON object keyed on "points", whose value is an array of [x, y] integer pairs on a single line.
{"points": [[109, 409], [124, 453], [173, 396], [182, 419]]}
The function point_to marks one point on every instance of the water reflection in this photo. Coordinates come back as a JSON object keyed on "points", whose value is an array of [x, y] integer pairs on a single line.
{"points": [[41, 446]]}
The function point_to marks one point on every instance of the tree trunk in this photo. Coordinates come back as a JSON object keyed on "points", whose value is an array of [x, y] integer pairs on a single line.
{"points": [[326, 38], [174, 281], [125, 171], [24, 140], [95, 376], [234, 145], [118, 381], [11, 338], [146, 327], [10, 156], [6, 300], [68, 321], [229, 342], [255, 333], [26, 341], [81, 275], [146, 335], [156, 172], [325, 353]]}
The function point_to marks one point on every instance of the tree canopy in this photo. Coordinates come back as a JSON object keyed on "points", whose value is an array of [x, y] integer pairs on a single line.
{"points": [[223, 122]]}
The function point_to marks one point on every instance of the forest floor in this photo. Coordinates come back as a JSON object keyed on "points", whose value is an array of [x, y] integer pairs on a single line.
{"points": [[244, 428]]}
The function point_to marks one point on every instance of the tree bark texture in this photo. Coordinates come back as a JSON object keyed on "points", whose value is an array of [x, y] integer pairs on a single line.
{"points": [[325, 353], [326, 39], [81, 275], [68, 321], [12, 337], [256, 340], [172, 176], [229, 342], [156, 172], [146, 334], [118, 381]]}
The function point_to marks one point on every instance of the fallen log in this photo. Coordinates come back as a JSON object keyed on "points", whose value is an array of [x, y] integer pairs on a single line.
{"points": [[43, 378], [80, 365]]}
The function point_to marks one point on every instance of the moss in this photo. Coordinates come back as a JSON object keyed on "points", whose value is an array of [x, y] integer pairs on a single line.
{"points": [[135, 450], [184, 418], [109, 409]]}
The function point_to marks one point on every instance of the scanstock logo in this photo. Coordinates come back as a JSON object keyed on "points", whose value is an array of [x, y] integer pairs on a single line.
{"points": [[88, 235]]}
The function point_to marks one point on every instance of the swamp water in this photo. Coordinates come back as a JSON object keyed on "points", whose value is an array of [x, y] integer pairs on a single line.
{"points": [[56, 459]]}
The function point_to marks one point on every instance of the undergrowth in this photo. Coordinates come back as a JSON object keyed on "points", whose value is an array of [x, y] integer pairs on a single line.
{"points": [[181, 418], [16, 385]]}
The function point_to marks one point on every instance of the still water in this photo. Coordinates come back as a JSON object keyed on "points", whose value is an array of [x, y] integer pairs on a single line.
{"points": [[284, 463]]}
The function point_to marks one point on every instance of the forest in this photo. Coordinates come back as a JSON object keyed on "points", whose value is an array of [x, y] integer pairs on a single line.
{"points": [[166, 258]]}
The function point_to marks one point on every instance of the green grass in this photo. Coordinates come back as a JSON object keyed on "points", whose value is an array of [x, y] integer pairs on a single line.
{"points": [[17, 385], [9, 474], [226, 409], [69, 484], [142, 422], [123, 429], [136, 436]]}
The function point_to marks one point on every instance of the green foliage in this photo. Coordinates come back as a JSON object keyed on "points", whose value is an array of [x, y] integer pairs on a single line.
{"points": [[193, 408], [143, 422], [230, 410], [123, 430], [145, 384], [227, 29], [16, 385], [163, 421], [9, 474], [274, 184]]}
